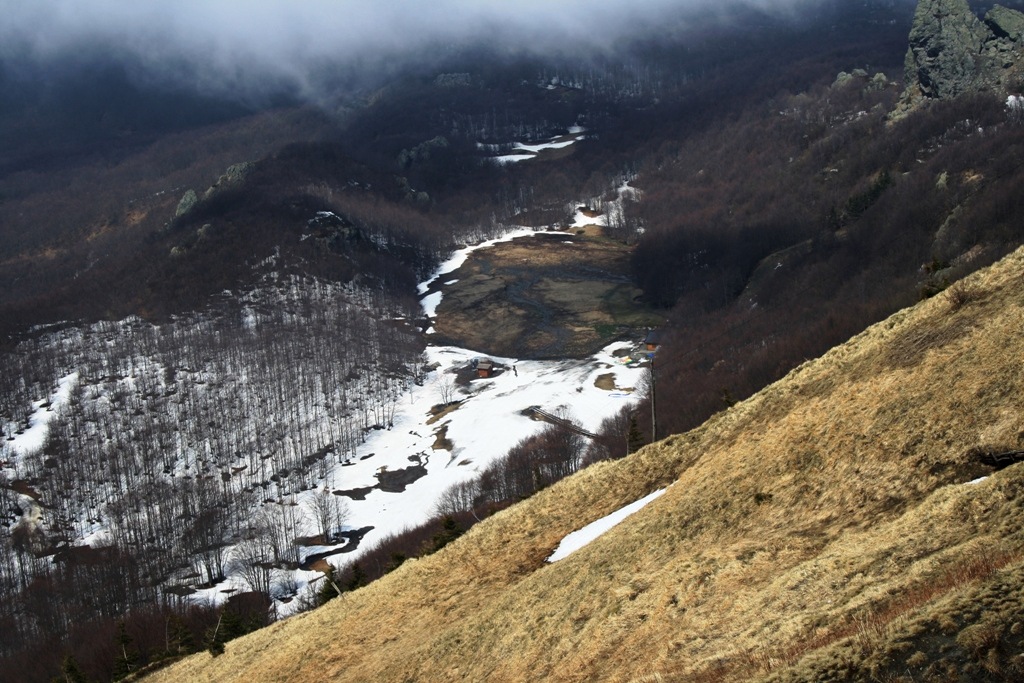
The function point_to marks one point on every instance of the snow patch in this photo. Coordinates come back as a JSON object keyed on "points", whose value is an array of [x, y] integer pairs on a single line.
{"points": [[430, 303], [576, 133], [32, 439], [581, 219], [578, 539], [513, 158]]}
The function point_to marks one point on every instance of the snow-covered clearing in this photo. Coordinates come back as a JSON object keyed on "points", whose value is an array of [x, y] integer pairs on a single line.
{"points": [[485, 426], [577, 539], [524, 152], [31, 439]]}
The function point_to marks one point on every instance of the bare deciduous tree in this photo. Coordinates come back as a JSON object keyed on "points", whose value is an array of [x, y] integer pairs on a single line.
{"points": [[329, 512], [460, 497], [447, 388]]}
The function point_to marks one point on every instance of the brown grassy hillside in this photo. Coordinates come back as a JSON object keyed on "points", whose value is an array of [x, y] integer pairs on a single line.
{"points": [[824, 529]]}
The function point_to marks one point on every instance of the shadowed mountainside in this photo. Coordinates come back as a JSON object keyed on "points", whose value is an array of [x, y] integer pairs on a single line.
{"points": [[832, 527]]}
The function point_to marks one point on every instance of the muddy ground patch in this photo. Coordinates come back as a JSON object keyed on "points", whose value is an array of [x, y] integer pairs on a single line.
{"points": [[552, 295]]}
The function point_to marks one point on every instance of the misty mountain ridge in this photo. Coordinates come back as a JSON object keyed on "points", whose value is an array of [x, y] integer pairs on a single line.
{"points": [[165, 84], [374, 126]]}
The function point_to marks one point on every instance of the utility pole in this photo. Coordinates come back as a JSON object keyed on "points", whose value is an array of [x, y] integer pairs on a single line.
{"points": [[654, 405]]}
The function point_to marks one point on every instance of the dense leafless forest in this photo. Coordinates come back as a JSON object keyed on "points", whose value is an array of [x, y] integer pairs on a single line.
{"points": [[181, 440]]}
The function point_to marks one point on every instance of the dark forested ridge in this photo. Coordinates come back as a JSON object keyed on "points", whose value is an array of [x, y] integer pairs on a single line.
{"points": [[874, 215], [89, 233], [234, 289]]}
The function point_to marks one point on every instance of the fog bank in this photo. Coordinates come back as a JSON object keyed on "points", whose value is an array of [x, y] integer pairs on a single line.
{"points": [[238, 45]]}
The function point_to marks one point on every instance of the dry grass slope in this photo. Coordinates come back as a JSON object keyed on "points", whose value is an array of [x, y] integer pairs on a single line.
{"points": [[825, 529]]}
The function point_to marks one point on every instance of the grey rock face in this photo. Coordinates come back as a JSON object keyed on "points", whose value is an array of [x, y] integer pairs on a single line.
{"points": [[235, 174], [952, 52], [945, 49], [232, 176], [1005, 23], [188, 201]]}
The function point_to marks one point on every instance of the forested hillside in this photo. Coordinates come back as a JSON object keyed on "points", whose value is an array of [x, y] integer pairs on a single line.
{"points": [[810, 219]]}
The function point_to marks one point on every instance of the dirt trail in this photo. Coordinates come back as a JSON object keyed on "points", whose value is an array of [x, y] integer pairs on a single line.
{"points": [[553, 295]]}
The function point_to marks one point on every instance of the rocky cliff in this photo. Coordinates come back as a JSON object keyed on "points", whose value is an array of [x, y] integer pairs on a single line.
{"points": [[953, 52]]}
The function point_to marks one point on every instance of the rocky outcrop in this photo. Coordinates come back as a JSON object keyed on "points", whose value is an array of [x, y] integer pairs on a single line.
{"points": [[860, 78], [233, 176], [187, 203], [953, 52], [1006, 23], [333, 229], [946, 41]]}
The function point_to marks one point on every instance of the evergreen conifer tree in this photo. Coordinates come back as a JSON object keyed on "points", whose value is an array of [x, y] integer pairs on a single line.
{"points": [[127, 657]]}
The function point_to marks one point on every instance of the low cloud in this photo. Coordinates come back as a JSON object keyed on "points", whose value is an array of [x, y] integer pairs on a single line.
{"points": [[242, 45]]}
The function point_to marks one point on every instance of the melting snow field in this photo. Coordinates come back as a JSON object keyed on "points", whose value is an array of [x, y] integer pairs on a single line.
{"points": [[484, 427], [431, 301]]}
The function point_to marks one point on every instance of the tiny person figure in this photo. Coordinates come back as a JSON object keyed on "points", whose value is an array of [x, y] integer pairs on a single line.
{"points": [[514, 371]]}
